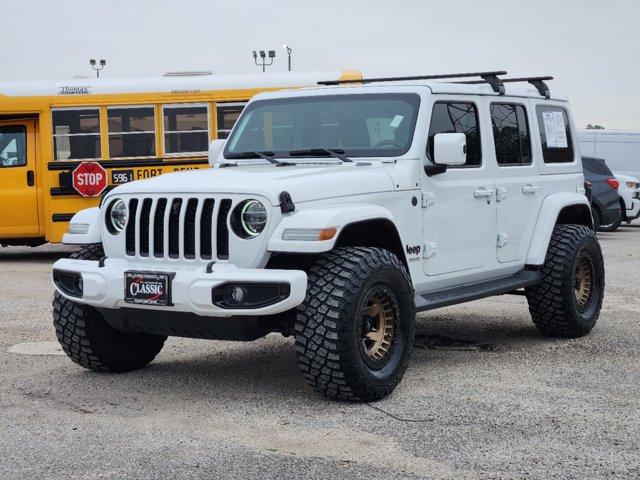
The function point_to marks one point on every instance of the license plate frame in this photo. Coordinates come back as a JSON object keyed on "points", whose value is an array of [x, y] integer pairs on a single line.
{"points": [[154, 288]]}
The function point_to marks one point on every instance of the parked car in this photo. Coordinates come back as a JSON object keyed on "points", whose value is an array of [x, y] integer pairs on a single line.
{"points": [[605, 200], [629, 191]]}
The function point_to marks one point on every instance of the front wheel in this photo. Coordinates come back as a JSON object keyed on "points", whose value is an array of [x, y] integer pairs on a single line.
{"points": [[567, 300], [91, 342], [354, 331]]}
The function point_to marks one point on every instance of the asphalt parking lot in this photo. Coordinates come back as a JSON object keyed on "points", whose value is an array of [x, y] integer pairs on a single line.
{"points": [[485, 396]]}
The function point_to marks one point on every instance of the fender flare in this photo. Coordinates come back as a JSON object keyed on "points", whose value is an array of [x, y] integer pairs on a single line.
{"points": [[547, 219], [330, 216], [88, 218]]}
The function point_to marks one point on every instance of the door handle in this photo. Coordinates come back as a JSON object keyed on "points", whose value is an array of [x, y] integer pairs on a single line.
{"points": [[31, 178], [529, 189], [483, 192]]}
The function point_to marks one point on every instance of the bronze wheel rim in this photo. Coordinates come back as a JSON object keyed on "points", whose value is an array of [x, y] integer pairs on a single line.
{"points": [[583, 282], [378, 317]]}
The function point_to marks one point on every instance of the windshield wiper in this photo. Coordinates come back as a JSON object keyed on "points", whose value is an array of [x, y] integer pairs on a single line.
{"points": [[268, 156], [265, 155], [321, 152]]}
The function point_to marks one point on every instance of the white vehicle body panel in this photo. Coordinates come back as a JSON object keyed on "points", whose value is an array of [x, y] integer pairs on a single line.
{"points": [[88, 219], [619, 148], [629, 195], [546, 221]]}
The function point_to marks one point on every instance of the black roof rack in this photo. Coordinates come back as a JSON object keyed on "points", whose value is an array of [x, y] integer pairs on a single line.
{"points": [[538, 82], [492, 78], [489, 77]]}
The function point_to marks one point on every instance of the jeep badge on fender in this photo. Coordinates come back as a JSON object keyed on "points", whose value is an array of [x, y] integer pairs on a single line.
{"points": [[313, 229]]}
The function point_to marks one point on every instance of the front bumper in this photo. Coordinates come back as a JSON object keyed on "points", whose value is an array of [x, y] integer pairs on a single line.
{"points": [[103, 286]]}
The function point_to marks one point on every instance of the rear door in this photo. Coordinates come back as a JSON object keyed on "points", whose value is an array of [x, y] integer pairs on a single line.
{"points": [[18, 192], [518, 185]]}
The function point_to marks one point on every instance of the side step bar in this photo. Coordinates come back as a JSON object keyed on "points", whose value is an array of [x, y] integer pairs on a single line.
{"points": [[475, 291]]}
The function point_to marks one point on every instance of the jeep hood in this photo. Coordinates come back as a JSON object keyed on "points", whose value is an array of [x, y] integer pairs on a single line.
{"points": [[303, 182]]}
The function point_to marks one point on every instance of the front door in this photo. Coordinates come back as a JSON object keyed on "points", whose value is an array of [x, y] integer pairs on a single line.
{"points": [[18, 192], [459, 204]]}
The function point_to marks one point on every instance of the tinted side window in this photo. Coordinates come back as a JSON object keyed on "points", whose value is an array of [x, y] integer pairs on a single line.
{"points": [[510, 134], [186, 128], [132, 132], [595, 165], [457, 117], [557, 145], [76, 134]]}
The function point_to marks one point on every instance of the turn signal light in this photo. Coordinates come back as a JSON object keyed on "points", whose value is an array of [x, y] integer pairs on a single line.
{"points": [[309, 234]]}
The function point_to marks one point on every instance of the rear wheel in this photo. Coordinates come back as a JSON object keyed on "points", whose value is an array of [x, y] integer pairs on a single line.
{"points": [[568, 299], [613, 226], [596, 219], [354, 331], [91, 342]]}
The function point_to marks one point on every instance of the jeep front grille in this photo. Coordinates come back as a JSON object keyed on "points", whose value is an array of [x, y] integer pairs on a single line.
{"points": [[189, 228]]}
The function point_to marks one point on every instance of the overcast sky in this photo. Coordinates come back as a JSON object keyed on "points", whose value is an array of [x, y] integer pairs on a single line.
{"points": [[591, 47]]}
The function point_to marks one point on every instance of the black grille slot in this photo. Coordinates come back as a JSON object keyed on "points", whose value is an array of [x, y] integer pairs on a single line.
{"points": [[158, 228], [190, 228], [174, 228], [205, 229], [222, 234], [131, 228], [145, 214]]}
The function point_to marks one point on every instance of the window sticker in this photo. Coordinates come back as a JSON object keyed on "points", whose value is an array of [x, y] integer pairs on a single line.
{"points": [[555, 129], [395, 123]]}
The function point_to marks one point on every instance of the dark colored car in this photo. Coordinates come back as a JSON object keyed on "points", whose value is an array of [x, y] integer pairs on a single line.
{"points": [[605, 200]]}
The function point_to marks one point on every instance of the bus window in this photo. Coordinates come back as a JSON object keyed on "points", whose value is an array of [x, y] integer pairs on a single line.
{"points": [[12, 143], [228, 114], [76, 133], [132, 132], [186, 128]]}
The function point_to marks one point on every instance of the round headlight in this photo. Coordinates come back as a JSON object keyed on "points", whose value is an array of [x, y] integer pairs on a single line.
{"points": [[117, 216], [252, 216]]}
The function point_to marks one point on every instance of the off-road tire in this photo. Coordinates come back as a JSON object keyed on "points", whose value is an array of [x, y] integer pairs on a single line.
{"points": [[90, 341], [552, 302], [328, 324]]}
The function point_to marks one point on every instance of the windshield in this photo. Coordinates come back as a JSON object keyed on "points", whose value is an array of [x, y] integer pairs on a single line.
{"points": [[364, 125]]}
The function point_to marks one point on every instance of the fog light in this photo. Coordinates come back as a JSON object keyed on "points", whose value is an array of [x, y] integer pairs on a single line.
{"points": [[249, 295], [68, 282], [238, 294]]}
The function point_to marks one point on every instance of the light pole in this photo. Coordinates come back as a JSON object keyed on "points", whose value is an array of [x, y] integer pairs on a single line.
{"points": [[263, 59], [97, 67], [288, 49]]}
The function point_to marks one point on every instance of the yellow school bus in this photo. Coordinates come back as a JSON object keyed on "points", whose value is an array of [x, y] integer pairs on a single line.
{"points": [[135, 128]]}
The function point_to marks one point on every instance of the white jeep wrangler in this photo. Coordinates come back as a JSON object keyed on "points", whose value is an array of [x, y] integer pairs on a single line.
{"points": [[334, 214]]}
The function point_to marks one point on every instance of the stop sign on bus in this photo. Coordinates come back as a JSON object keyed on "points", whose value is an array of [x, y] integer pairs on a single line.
{"points": [[89, 179]]}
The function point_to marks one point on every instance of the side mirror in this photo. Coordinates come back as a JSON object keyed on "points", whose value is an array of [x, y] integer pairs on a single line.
{"points": [[450, 149], [215, 149]]}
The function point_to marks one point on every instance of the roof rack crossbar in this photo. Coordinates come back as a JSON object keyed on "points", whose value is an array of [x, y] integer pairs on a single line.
{"points": [[537, 82], [493, 75]]}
